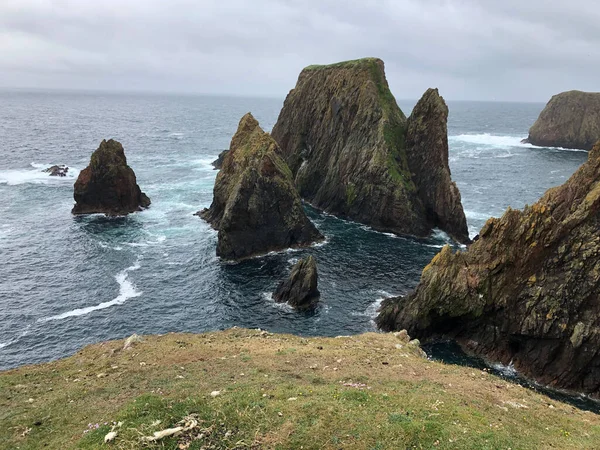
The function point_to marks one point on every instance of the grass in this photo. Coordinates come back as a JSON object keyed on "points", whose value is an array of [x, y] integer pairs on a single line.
{"points": [[279, 392]]}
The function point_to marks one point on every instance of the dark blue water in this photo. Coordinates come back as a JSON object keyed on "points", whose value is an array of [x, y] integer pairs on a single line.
{"points": [[66, 282]]}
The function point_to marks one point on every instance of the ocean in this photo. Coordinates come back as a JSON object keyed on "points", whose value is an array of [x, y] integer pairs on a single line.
{"points": [[70, 281]]}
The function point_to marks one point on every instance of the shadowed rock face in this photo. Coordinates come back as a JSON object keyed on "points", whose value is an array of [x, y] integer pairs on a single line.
{"points": [[256, 208], [427, 153], [526, 291], [218, 163], [299, 290], [569, 120], [108, 185], [345, 140]]}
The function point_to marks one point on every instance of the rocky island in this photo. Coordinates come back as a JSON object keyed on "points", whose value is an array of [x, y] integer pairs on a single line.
{"points": [[569, 120], [300, 290], [526, 292], [256, 208], [108, 185], [353, 153]]}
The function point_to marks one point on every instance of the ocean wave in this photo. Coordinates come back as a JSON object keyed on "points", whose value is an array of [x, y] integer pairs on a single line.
{"points": [[508, 371], [36, 175], [126, 291], [475, 215], [488, 140]]}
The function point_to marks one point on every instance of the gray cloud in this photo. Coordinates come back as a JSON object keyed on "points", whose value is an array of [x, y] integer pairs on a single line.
{"points": [[470, 49]]}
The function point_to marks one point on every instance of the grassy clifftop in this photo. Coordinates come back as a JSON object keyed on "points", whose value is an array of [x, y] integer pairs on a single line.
{"points": [[250, 389]]}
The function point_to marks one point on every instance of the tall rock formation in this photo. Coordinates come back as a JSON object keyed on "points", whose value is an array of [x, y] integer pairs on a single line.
{"points": [[569, 120], [108, 185], [345, 140], [256, 208], [300, 290], [427, 153], [527, 291]]}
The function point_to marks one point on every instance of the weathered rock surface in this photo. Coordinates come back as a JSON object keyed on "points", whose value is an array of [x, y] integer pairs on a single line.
{"points": [[569, 120], [526, 292], [345, 140], [256, 208], [218, 163], [300, 290], [108, 185], [57, 171], [427, 153]]}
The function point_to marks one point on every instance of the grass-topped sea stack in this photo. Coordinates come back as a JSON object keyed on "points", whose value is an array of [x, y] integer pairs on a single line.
{"points": [[569, 120], [256, 207], [353, 153], [526, 292], [108, 185]]}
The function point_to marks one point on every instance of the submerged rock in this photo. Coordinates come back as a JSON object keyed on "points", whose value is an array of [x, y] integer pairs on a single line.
{"points": [[345, 140], [256, 208], [526, 292], [218, 163], [569, 120], [57, 171], [108, 185], [300, 290]]}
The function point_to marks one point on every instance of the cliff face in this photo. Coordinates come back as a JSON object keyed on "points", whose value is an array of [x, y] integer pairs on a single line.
{"points": [[569, 120], [427, 153], [256, 208], [108, 185], [526, 291], [300, 288], [344, 138]]}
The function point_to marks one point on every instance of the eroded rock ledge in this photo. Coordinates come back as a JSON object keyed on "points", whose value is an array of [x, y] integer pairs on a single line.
{"points": [[526, 292], [353, 154], [256, 208]]}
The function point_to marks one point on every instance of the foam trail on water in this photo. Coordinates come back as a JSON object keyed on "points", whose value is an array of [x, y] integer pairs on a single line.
{"points": [[500, 141], [126, 291]]}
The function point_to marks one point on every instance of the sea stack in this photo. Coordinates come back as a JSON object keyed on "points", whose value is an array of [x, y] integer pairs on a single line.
{"points": [[345, 141], [569, 120], [256, 208], [300, 290], [526, 292], [108, 185]]}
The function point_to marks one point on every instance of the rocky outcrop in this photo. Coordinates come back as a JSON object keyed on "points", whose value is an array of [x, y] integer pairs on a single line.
{"points": [[218, 163], [345, 140], [569, 120], [57, 171], [108, 185], [256, 208], [526, 292], [300, 290], [427, 155]]}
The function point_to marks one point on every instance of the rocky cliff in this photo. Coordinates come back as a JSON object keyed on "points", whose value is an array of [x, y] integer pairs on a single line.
{"points": [[108, 185], [526, 292], [300, 290], [569, 120], [345, 140], [256, 208]]}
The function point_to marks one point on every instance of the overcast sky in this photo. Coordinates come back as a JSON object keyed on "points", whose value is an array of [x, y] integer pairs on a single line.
{"points": [[470, 49]]}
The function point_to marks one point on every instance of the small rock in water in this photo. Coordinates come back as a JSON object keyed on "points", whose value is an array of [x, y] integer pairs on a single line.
{"points": [[57, 171]]}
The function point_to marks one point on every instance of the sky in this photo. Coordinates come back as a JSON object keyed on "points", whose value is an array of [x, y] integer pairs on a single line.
{"points": [[504, 50]]}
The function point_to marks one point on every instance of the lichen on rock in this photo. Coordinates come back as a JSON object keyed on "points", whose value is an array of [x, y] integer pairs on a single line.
{"points": [[256, 208], [526, 292], [569, 120], [300, 289], [108, 185], [345, 140]]}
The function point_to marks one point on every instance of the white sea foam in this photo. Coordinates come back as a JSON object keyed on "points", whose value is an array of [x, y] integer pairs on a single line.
{"points": [[477, 215], [487, 140], [284, 306], [35, 175], [508, 371], [126, 291]]}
